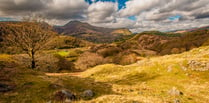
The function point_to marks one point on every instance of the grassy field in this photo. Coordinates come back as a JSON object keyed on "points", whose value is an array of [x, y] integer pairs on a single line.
{"points": [[165, 79]]}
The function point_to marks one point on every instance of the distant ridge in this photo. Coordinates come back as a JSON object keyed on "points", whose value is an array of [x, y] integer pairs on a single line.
{"points": [[191, 30], [92, 33]]}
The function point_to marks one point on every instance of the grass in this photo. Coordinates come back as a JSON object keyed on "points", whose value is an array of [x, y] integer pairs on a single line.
{"points": [[150, 80], [147, 81], [5, 57]]}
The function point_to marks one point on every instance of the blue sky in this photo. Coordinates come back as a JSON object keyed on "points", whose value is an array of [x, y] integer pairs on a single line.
{"points": [[121, 3], [172, 18], [137, 15]]}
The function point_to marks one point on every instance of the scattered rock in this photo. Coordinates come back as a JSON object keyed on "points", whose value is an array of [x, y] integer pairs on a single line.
{"points": [[198, 65], [65, 96], [88, 94], [183, 67], [175, 92]]}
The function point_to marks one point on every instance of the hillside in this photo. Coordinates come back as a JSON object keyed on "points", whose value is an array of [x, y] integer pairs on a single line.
{"points": [[152, 80], [147, 44], [191, 30], [166, 43], [149, 80], [91, 33]]}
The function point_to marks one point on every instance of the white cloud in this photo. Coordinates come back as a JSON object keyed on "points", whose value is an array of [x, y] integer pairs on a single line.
{"points": [[117, 23], [169, 25], [135, 7], [102, 12], [50, 9], [150, 14], [19, 1]]}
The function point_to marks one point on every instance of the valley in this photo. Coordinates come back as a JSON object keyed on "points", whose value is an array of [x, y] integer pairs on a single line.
{"points": [[147, 67]]}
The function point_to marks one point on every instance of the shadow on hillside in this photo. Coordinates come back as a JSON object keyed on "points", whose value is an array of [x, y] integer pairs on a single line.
{"points": [[132, 79], [78, 85]]}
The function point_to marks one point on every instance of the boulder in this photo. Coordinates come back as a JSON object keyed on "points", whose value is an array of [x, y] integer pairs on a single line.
{"points": [[64, 95], [88, 94]]}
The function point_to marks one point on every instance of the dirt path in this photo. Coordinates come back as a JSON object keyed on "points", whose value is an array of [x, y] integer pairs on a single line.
{"points": [[78, 74]]}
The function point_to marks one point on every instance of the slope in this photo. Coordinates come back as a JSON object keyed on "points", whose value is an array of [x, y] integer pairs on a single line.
{"points": [[172, 78], [92, 33], [163, 43]]}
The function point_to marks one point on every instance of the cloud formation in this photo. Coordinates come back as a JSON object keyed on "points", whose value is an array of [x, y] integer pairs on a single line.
{"points": [[102, 12], [161, 15], [50, 9]]}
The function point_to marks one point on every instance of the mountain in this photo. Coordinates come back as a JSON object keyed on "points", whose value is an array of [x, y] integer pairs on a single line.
{"points": [[92, 33], [190, 30]]}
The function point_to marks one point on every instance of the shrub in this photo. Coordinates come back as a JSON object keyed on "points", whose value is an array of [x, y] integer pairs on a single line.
{"points": [[87, 60], [110, 51], [125, 58], [128, 59], [64, 64], [53, 63]]}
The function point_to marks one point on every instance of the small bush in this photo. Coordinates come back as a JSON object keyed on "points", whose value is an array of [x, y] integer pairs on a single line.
{"points": [[111, 51], [64, 64], [88, 59], [54, 63], [125, 58]]}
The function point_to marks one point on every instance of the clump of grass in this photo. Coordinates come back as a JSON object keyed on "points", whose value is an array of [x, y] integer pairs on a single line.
{"points": [[6, 57], [63, 53]]}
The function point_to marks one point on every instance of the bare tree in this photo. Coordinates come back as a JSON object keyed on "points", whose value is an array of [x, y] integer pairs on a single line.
{"points": [[30, 37]]}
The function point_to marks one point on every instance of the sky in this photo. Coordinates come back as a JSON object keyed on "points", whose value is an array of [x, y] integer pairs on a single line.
{"points": [[137, 15]]}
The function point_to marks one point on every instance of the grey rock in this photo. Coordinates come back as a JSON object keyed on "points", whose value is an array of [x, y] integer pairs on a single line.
{"points": [[64, 95], [68, 94], [88, 93]]}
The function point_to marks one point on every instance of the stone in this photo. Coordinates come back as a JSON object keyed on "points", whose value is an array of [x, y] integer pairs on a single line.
{"points": [[175, 92], [88, 94], [64, 95]]}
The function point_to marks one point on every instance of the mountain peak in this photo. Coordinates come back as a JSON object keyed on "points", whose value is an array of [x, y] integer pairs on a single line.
{"points": [[75, 22], [92, 33]]}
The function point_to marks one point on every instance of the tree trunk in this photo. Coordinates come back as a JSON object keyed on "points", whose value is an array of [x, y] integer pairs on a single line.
{"points": [[33, 63]]}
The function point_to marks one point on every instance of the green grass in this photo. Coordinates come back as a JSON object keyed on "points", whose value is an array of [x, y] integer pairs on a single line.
{"points": [[63, 53]]}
